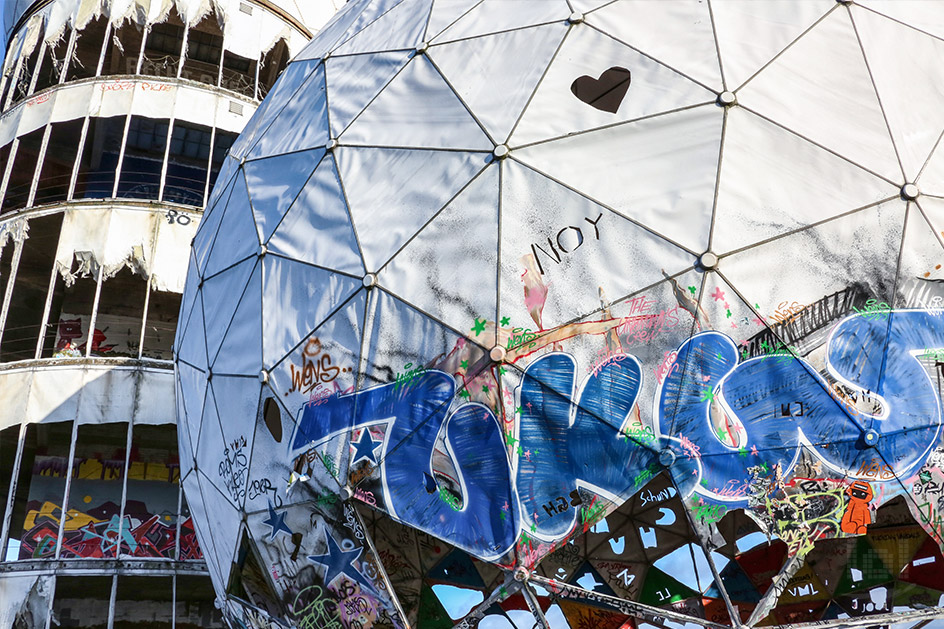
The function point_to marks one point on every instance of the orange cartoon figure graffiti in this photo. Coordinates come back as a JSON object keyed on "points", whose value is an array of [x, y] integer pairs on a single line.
{"points": [[857, 517]]}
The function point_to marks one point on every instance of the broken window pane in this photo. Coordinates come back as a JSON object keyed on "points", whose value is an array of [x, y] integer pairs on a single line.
{"points": [[195, 608], [187, 163], [28, 300], [91, 530], [53, 61], [122, 48], [204, 49], [27, 68], [120, 314], [221, 145], [71, 314], [144, 158], [273, 63], [82, 602], [88, 50], [60, 157], [239, 74], [163, 48], [143, 602], [96, 178], [40, 489], [9, 440], [153, 490], [24, 165], [161, 326]]}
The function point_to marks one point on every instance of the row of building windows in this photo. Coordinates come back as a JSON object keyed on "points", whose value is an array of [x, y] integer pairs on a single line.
{"points": [[120, 156], [94, 316], [94, 491], [168, 49]]}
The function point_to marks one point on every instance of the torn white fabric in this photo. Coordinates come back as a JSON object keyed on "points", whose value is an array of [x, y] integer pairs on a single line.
{"points": [[25, 601], [107, 239], [171, 253], [15, 231], [110, 239]]}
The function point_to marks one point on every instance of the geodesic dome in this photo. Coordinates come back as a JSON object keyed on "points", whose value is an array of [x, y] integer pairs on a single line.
{"points": [[602, 314]]}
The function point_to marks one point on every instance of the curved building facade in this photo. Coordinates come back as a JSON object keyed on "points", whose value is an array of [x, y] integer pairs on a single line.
{"points": [[115, 117]]}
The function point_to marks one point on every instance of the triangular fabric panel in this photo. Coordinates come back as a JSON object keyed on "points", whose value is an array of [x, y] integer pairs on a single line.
{"points": [[466, 230], [417, 109], [683, 40], [224, 521], [773, 182], [240, 239], [269, 468], [236, 400], [910, 92], [198, 512], [302, 123], [209, 226], [355, 80], [597, 81], [931, 179], [210, 446], [296, 298], [221, 294], [496, 74], [352, 18], [290, 81], [565, 239], [623, 168], [325, 364], [751, 33], [920, 14], [383, 218], [444, 13], [275, 182], [493, 16], [399, 28], [820, 88], [317, 228], [192, 385], [192, 345], [241, 349]]}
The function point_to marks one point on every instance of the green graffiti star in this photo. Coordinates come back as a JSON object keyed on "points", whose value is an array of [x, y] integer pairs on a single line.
{"points": [[708, 395], [479, 326], [505, 321], [502, 371], [704, 482], [484, 388], [464, 394], [464, 364], [692, 290]]}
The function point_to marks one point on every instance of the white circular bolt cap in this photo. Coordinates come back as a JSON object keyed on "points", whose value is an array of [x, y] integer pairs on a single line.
{"points": [[263, 250], [726, 99], [871, 437], [522, 574], [575, 18], [332, 144], [369, 280], [708, 260], [500, 151], [422, 48], [497, 353], [910, 191], [263, 376], [348, 493], [666, 458]]}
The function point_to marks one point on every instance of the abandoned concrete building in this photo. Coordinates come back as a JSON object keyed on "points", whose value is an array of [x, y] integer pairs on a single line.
{"points": [[116, 116]]}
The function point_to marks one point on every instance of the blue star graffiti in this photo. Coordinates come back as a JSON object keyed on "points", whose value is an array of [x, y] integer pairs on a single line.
{"points": [[338, 562], [736, 413], [276, 523]]}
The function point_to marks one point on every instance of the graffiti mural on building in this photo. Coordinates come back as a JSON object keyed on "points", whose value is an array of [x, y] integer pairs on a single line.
{"points": [[729, 415]]}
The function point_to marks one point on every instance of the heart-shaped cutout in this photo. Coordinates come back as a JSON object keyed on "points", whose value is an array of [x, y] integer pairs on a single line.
{"points": [[605, 93]]}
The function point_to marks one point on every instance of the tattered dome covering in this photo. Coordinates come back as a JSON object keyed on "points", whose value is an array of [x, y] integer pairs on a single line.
{"points": [[613, 313]]}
